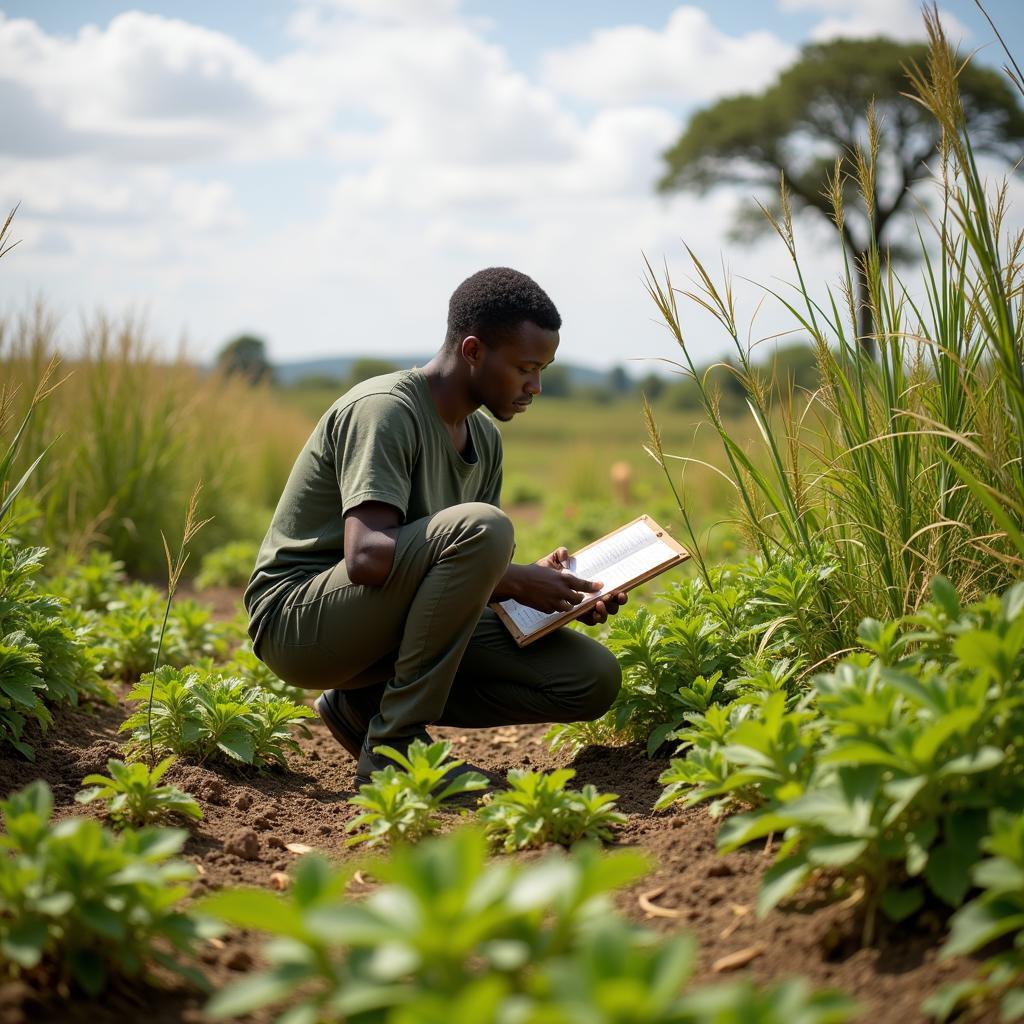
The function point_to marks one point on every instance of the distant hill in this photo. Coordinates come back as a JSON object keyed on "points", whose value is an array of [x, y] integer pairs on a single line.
{"points": [[338, 367]]}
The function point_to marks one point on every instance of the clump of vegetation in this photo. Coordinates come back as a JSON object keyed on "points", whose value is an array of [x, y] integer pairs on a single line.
{"points": [[403, 805], [134, 430], [996, 913], [134, 796], [537, 809], [747, 627], [43, 660], [449, 937], [229, 565], [83, 904], [886, 772], [89, 584], [205, 715]]}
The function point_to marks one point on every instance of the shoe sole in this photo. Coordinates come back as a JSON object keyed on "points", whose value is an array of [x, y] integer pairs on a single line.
{"points": [[351, 743]]}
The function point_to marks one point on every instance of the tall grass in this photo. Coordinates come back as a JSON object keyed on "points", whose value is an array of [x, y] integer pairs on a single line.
{"points": [[909, 464], [136, 434]]}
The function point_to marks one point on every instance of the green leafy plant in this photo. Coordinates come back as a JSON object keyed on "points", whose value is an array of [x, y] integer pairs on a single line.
{"points": [[134, 795], [84, 904], [891, 783], [449, 939], [89, 584], [704, 643], [403, 805], [537, 809], [997, 913], [205, 715], [244, 664], [230, 565], [43, 659]]}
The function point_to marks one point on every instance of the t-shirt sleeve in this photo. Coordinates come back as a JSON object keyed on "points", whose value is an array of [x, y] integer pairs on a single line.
{"points": [[376, 445]]}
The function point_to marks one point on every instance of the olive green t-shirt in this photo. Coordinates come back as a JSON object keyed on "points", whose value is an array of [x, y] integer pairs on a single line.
{"points": [[381, 441]]}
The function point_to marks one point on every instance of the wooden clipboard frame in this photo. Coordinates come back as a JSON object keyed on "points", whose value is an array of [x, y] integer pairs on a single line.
{"points": [[680, 555]]}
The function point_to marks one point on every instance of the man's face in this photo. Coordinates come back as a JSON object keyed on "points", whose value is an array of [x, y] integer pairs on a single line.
{"points": [[506, 377]]}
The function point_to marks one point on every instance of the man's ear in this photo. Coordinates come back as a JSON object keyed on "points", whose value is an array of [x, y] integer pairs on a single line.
{"points": [[473, 350]]}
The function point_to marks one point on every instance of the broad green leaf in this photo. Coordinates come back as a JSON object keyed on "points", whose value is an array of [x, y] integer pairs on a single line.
{"points": [[782, 879], [835, 851], [898, 904], [999, 874], [253, 908], [24, 944], [257, 991], [1011, 1007], [861, 752], [981, 760], [102, 919], [902, 792], [944, 1003], [978, 923], [238, 745], [945, 596]]}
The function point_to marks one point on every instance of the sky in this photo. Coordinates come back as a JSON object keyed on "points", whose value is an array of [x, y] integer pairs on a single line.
{"points": [[323, 173]]}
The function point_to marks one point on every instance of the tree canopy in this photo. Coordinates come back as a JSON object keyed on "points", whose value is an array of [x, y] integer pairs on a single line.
{"points": [[246, 356], [816, 113]]}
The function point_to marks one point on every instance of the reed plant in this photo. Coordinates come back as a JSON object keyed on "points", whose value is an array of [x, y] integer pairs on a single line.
{"points": [[136, 432], [904, 464]]}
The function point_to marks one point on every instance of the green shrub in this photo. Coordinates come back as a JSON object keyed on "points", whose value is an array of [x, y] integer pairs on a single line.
{"points": [[43, 660], [704, 644], [84, 904], [127, 632], [537, 809], [403, 805], [887, 778], [451, 939], [90, 584], [230, 565], [134, 796], [205, 715], [996, 914]]}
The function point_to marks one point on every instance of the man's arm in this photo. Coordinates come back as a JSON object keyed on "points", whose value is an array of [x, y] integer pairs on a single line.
{"points": [[371, 530]]}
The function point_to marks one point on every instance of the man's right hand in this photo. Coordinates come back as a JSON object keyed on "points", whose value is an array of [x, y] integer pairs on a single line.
{"points": [[546, 585]]}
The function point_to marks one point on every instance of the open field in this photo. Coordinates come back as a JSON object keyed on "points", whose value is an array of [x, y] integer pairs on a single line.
{"points": [[803, 806]]}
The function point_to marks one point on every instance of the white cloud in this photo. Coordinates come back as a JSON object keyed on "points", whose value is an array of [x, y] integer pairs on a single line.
{"points": [[145, 87], [688, 61], [898, 19]]}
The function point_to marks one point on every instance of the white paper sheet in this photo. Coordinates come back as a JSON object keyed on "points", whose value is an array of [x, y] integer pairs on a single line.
{"points": [[619, 558]]}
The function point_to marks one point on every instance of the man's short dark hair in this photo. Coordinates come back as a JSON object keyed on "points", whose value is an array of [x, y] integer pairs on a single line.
{"points": [[494, 300]]}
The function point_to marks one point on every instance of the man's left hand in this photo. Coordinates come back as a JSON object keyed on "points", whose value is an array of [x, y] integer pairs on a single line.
{"points": [[609, 605]]}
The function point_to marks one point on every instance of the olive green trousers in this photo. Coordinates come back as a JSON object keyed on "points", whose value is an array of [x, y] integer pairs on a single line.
{"points": [[424, 648]]}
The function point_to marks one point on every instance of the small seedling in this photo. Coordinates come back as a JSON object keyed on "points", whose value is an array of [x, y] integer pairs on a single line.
{"points": [[538, 809], [134, 795], [404, 804]]}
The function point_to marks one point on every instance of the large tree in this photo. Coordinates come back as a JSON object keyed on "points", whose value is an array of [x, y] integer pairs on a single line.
{"points": [[816, 113]]}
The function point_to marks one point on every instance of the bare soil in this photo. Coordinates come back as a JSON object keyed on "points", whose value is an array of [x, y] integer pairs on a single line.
{"points": [[250, 816]]}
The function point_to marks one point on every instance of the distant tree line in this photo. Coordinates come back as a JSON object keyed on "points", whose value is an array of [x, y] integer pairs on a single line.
{"points": [[790, 366]]}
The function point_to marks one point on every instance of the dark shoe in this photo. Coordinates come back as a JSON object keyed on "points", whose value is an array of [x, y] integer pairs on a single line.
{"points": [[345, 723], [370, 762]]}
